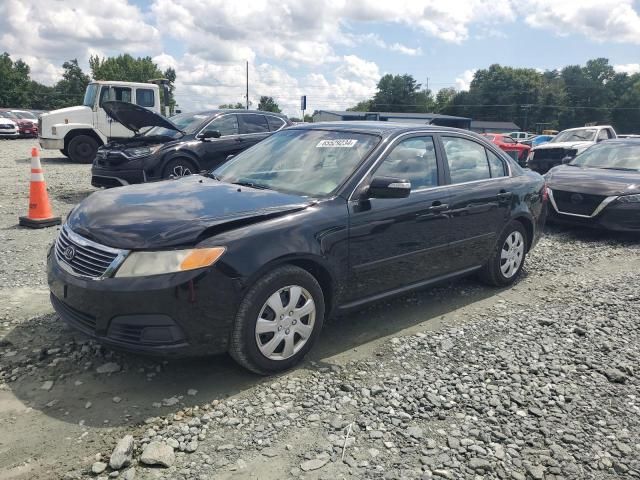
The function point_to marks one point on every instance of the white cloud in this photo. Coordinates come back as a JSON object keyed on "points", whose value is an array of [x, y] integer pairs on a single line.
{"points": [[629, 68], [598, 20], [464, 80]]}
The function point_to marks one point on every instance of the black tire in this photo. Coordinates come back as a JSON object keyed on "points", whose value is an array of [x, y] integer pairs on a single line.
{"points": [[492, 273], [64, 152], [82, 149], [243, 345], [179, 164]]}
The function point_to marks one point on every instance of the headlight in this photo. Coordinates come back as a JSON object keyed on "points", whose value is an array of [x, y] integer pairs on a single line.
{"points": [[629, 198], [141, 264], [53, 131], [139, 152]]}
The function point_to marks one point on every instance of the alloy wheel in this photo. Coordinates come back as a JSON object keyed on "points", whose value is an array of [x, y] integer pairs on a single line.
{"points": [[512, 254], [181, 171], [285, 322]]}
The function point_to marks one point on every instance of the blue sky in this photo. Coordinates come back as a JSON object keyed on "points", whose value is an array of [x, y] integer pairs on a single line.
{"points": [[334, 51]]}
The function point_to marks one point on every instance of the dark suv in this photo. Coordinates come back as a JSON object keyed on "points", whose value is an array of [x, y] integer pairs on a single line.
{"points": [[181, 145]]}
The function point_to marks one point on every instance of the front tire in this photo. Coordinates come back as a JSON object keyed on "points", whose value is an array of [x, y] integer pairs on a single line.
{"points": [[178, 167], [508, 256], [278, 321], [82, 149], [64, 152]]}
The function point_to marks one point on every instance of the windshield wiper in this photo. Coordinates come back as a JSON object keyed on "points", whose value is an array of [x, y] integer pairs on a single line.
{"points": [[257, 186], [212, 175], [624, 169]]}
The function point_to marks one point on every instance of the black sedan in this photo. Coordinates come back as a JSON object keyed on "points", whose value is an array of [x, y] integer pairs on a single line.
{"points": [[184, 144], [318, 218], [599, 188]]}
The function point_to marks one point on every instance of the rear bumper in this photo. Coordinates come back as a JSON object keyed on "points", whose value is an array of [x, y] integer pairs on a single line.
{"points": [[51, 143]]}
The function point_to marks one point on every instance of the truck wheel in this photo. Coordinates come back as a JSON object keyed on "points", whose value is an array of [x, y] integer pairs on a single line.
{"points": [[64, 152], [82, 149]]}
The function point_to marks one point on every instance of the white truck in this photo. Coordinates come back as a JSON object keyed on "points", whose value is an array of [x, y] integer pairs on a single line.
{"points": [[78, 131]]}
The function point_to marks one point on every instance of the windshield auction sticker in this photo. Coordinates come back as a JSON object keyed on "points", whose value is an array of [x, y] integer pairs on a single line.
{"points": [[337, 143]]}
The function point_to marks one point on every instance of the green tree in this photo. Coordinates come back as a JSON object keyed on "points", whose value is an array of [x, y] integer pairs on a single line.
{"points": [[396, 93], [268, 104], [237, 106], [14, 82], [444, 98], [124, 68], [70, 90], [363, 106]]}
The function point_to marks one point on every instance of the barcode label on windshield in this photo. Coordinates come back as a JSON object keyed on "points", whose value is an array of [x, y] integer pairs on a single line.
{"points": [[338, 143]]}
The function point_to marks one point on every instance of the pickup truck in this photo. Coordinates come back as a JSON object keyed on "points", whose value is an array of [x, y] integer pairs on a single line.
{"points": [[566, 145]]}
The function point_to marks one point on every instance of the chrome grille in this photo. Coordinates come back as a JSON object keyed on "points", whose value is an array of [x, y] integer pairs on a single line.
{"points": [[84, 257]]}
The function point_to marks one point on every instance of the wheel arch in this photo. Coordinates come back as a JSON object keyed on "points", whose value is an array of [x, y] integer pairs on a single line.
{"points": [[81, 131], [314, 265], [527, 223]]}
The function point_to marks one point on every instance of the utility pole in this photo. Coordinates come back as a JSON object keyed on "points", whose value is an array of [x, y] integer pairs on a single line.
{"points": [[247, 84]]}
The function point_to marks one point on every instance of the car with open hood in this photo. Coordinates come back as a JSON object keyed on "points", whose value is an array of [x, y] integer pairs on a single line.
{"points": [[251, 257], [566, 145], [180, 145], [599, 188]]}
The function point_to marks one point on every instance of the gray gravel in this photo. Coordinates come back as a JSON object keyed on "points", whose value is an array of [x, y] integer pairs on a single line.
{"points": [[536, 382]]}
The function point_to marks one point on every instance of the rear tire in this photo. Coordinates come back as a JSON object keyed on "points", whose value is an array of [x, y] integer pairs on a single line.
{"points": [[508, 256], [82, 149], [268, 340], [179, 167]]}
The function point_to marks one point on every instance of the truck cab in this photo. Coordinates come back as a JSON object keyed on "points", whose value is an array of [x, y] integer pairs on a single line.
{"points": [[79, 131]]}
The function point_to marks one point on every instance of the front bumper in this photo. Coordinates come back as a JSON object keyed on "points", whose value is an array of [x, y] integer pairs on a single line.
{"points": [[617, 217], [51, 143], [9, 134], [29, 132], [105, 174], [188, 313]]}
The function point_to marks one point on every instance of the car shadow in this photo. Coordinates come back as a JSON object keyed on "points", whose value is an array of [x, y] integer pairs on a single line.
{"points": [[44, 349]]}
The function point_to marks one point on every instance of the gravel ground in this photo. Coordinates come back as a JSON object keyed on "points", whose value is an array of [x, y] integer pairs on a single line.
{"points": [[461, 381]]}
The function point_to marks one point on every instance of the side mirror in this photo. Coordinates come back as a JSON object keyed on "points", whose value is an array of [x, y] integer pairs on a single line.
{"points": [[389, 187], [208, 134]]}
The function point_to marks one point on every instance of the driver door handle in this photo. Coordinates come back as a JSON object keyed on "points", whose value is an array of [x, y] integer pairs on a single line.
{"points": [[503, 195]]}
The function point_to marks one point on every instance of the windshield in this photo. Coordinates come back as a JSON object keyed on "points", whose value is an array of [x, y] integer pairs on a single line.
{"points": [[90, 95], [617, 156], [312, 163], [582, 135], [7, 115], [25, 115], [187, 122]]}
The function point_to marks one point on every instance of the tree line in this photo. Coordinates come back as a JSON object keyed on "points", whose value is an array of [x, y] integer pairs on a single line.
{"points": [[18, 90], [554, 99]]}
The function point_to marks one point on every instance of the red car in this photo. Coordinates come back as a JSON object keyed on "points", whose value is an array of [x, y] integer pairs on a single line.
{"points": [[518, 151], [27, 122]]}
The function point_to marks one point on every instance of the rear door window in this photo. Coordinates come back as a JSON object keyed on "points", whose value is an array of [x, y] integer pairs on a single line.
{"points": [[253, 123], [467, 160], [275, 123]]}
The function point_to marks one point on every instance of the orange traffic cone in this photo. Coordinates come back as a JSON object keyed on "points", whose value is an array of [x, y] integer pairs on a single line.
{"points": [[40, 214]]}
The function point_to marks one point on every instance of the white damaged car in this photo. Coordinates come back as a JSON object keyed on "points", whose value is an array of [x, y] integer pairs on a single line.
{"points": [[566, 145]]}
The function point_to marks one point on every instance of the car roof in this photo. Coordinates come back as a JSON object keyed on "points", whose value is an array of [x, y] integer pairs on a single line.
{"points": [[232, 110], [584, 128], [377, 127]]}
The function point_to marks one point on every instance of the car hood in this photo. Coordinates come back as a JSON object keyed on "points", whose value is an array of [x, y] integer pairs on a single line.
{"points": [[573, 145], [596, 181], [175, 212], [135, 117]]}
